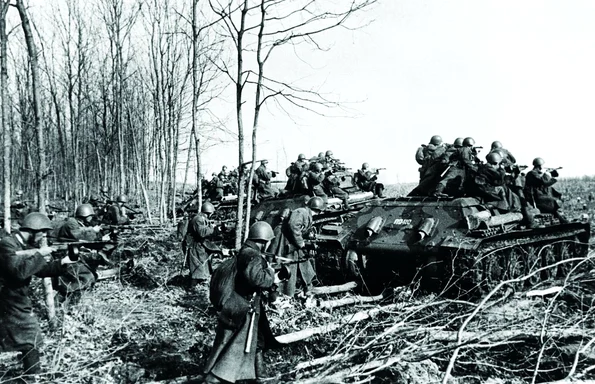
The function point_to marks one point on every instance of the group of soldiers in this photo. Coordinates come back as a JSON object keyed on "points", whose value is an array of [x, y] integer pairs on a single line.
{"points": [[24, 255], [235, 355], [321, 176], [456, 170]]}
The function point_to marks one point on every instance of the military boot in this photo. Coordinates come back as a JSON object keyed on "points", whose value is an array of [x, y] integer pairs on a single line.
{"points": [[260, 368]]}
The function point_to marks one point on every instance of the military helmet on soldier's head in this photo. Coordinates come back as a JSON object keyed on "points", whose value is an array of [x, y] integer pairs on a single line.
{"points": [[224, 168], [207, 207], [316, 203], [496, 145], [458, 142], [494, 158], [36, 221], [104, 189], [329, 153], [468, 142], [84, 210], [301, 156], [122, 199], [261, 231], [436, 140], [264, 162], [365, 166], [538, 162], [318, 167], [320, 155]]}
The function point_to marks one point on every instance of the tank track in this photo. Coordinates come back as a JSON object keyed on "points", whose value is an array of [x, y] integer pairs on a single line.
{"points": [[526, 262]]}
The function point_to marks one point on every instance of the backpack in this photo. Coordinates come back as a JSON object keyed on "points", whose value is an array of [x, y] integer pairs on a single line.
{"points": [[223, 282]]}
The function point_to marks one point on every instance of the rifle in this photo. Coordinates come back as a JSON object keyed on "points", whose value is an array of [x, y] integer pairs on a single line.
{"points": [[75, 247], [129, 227], [552, 169]]}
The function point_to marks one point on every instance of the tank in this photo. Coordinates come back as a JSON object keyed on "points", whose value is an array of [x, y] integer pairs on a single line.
{"points": [[456, 245], [328, 224]]}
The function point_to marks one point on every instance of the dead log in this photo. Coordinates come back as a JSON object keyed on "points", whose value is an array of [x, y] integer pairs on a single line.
{"points": [[348, 319], [348, 300], [107, 273], [320, 361], [333, 288]]}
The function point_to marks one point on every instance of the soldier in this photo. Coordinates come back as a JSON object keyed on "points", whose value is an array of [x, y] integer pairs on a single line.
{"points": [[315, 179], [422, 151], [539, 190], [462, 168], [508, 158], [225, 177], [366, 180], [198, 247], [83, 275], [490, 185], [217, 188], [243, 331], [291, 244], [116, 213], [263, 179], [19, 328], [297, 174]]}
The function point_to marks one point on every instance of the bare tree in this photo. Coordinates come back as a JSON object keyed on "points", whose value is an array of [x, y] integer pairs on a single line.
{"points": [[257, 30], [4, 112]]}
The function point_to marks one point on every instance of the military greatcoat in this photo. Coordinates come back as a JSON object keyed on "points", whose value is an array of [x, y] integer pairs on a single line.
{"points": [[228, 359]]}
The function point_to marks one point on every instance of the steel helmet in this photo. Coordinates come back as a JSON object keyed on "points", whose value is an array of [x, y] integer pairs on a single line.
{"points": [[538, 162], [36, 221], [301, 156], [494, 158], [264, 162], [261, 230], [468, 142], [224, 168], [458, 142], [122, 199], [318, 167], [321, 154], [329, 153], [20, 192], [207, 207], [104, 189], [84, 210], [496, 145], [365, 166], [316, 203], [436, 140]]}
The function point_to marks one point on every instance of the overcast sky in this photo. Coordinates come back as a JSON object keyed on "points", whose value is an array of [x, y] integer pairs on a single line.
{"points": [[519, 72]]}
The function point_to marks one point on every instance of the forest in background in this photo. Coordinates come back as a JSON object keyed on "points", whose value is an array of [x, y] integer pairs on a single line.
{"points": [[117, 93]]}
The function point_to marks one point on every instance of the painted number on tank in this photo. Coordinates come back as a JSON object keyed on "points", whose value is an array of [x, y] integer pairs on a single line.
{"points": [[400, 221]]}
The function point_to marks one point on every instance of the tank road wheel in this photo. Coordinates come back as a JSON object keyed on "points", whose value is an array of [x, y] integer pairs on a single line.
{"points": [[563, 251], [353, 265], [532, 262], [548, 258]]}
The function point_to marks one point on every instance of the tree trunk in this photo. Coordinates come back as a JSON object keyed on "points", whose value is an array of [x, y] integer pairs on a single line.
{"points": [[4, 114], [42, 171], [239, 88]]}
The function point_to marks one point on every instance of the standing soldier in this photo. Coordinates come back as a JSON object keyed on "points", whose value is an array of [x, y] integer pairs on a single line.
{"points": [[263, 177], [291, 244], [198, 247], [243, 330], [539, 190], [297, 174], [422, 151], [217, 188], [116, 213], [83, 275], [366, 180], [19, 328]]}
